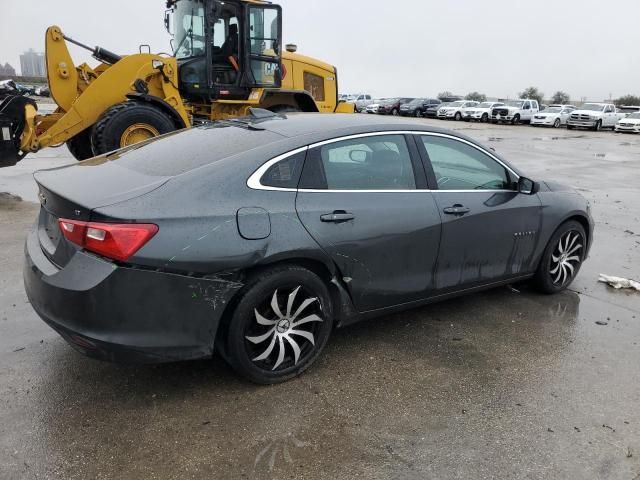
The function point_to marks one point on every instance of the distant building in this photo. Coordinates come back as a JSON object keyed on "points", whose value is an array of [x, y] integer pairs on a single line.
{"points": [[32, 64], [7, 70]]}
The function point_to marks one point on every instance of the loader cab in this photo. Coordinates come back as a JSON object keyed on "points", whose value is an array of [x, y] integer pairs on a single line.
{"points": [[226, 48]]}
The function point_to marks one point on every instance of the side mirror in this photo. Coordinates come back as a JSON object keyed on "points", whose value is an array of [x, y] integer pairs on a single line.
{"points": [[358, 156], [527, 186], [167, 21]]}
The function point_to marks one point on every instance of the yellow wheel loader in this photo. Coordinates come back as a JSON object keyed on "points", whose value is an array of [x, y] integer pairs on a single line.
{"points": [[227, 57]]}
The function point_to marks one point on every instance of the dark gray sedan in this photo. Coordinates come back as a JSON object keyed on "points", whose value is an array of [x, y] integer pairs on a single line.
{"points": [[257, 237]]}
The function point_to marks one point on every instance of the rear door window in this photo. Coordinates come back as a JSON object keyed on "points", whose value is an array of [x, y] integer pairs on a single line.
{"points": [[366, 163]]}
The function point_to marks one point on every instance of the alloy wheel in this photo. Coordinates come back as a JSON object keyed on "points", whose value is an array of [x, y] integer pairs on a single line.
{"points": [[285, 330], [556, 124], [566, 258]]}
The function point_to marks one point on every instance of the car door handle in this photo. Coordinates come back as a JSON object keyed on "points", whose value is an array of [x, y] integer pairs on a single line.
{"points": [[337, 216], [456, 209]]}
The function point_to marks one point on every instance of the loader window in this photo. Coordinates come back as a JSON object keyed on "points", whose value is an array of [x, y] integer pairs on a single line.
{"points": [[314, 84], [264, 41], [189, 35]]}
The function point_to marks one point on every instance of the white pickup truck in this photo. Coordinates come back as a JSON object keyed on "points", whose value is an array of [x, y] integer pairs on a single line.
{"points": [[595, 116], [515, 111]]}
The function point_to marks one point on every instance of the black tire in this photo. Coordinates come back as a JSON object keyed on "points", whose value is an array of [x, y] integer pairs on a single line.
{"points": [[417, 113], [457, 116], [485, 118], [569, 127], [112, 125], [598, 126], [284, 109], [557, 123], [494, 121], [515, 120], [394, 112], [80, 145], [257, 296], [545, 278]]}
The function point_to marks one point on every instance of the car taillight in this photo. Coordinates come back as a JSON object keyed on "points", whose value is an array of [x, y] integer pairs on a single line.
{"points": [[118, 241]]}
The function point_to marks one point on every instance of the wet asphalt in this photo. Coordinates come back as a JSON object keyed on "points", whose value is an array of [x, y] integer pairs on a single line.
{"points": [[502, 384]]}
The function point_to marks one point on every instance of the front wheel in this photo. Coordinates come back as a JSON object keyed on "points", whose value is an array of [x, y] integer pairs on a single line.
{"points": [[485, 118], [562, 258], [417, 113], [556, 124], [128, 123], [280, 324], [515, 120], [394, 111], [458, 116], [80, 145], [598, 126]]}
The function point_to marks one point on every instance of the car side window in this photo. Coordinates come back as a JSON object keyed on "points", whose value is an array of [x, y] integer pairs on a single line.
{"points": [[459, 166], [535, 104], [285, 173], [366, 163], [526, 106]]}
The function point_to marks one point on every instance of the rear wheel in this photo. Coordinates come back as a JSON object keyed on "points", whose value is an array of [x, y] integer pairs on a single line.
{"points": [[128, 123], [562, 258], [485, 118], [284, 109], [556, 124], [280, 324], [80, 145], [417, 113]]}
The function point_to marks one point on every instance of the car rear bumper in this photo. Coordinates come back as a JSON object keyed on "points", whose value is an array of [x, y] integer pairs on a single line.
{"points": [[125, 314]]}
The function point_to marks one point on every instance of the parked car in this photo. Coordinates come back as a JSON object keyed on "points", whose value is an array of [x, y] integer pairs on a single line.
{"points": [[354, 222], [479, 113], [515, 111], [454, 109], [373, 107], [42, 91], [432, 111], [392, 105], [595, 116], [418, 106], [361, 101], [553, 116], [631, 123]]}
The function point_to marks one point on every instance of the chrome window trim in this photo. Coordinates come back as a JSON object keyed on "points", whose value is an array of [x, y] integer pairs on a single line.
{"points": [[253, 182]]}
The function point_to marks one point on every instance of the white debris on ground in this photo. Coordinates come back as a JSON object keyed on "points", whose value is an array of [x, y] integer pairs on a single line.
{"points": [[619, 282]]}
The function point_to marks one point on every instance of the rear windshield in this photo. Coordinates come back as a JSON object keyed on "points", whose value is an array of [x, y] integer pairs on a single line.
{"points": [[183, 151]]}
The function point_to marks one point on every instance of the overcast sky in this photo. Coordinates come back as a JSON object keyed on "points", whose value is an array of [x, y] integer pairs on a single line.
{"points": [[588, 48]]}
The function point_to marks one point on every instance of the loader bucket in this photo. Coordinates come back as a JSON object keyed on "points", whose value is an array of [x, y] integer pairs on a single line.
{"points": [[12, 123]]}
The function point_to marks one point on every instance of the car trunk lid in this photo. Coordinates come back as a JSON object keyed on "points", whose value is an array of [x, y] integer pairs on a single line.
{"points": [[73, 193]]}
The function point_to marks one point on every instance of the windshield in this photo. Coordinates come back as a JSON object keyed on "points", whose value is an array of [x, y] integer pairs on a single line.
{"points": [[488, 105], [459, 103], [514, 103], [444, 104], [594, 107], [634, 115], [188, 21], [416, 101], [390, 100], [553, 110]]}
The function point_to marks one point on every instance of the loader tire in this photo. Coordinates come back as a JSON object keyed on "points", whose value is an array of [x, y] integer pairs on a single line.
{"points": [[128, 123], [80, 145]]}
